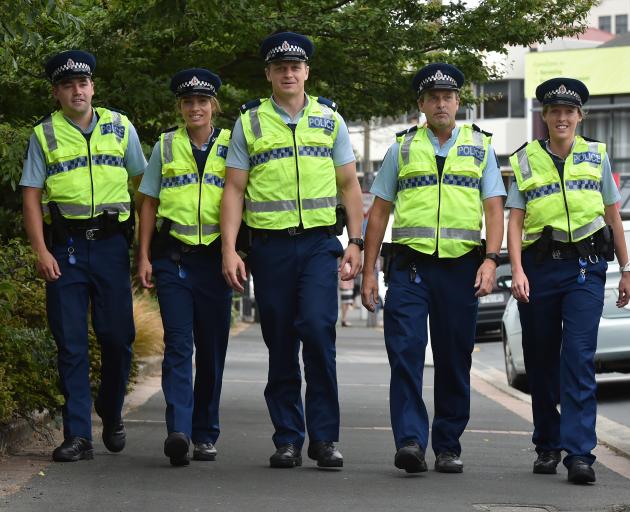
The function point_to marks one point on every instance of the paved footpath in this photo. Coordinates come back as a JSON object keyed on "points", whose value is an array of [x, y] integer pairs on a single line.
{"points": [[497, 455]]}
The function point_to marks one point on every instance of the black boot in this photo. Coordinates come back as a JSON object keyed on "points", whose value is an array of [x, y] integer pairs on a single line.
{"points": [[410, 457], [73, 449], [448, 462], [546, 462], [580, 472], [176, 448], [326, 454], [286, 456]]}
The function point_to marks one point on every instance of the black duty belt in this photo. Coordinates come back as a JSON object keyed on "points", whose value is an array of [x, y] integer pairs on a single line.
{"points": [[292, 231]]}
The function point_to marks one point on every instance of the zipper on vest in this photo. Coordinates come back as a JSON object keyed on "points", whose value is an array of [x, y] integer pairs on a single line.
{"points": [[566, 206], [440, 177], [87, 139], [199, 208], [293, 127]]}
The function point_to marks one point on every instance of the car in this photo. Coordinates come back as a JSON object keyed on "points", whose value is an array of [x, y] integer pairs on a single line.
{"points": [[613, 339], [492, 306]]}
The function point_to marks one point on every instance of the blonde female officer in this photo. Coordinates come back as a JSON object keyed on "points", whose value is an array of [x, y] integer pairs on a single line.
{"points": [[184, 185], [562, 216]]}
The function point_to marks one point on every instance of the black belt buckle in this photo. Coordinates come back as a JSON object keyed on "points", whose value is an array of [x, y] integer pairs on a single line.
{"points": [[92, 233]]}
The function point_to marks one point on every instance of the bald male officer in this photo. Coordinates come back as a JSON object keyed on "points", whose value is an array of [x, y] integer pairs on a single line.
{"points": [[78, 218], [289, 157], [440, 179]]}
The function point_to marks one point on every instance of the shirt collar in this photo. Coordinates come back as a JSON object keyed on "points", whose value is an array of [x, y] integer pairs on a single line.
{"points": [[281, 110], [90, 128], [548, 148], [433, 138], [206, 144]]}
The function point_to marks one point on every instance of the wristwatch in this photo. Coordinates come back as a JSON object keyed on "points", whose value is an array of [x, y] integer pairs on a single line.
{"points": [[625, 268], [356, 241], [494, 257]]}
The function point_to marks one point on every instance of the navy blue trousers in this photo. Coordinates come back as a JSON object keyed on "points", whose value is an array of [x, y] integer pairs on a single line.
{"points": [[560, 325], [295, 282], [446, 294], [100, 278], [195, 310]]}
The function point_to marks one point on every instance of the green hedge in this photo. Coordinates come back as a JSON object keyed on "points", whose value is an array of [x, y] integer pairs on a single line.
{"points": [[28, 369]]}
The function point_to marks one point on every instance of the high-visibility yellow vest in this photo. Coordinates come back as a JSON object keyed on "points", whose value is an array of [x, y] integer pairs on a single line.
{"points": [[573, 206], [190, 199], [85, 178], [292, 175], [434, 213]]}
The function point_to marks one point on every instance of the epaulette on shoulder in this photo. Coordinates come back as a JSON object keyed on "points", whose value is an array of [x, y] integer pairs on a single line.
{"points": [[521, 147], [171, 129], [406, 131], [477, 129], [42, 119], [588, 139], [117, 110], [249, 105], [327, 102]]}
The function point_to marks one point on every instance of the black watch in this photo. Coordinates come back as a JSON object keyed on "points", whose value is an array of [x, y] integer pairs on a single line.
{"points": [[494, 257], [356, 241]]}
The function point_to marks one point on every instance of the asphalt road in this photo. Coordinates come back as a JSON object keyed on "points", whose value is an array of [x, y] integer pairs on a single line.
{"points": [[497, 455]]}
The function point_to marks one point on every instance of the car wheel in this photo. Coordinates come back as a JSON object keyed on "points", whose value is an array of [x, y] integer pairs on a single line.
{"points": [[514, 379]]}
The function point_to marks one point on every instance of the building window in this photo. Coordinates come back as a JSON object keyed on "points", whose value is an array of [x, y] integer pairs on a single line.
{"points": [[621, 23], [496, 104], [517, 98], [605, 23]]}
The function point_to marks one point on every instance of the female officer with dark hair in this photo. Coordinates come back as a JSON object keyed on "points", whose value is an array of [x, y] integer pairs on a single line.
{"points": [[184, 185], [562, 216]]}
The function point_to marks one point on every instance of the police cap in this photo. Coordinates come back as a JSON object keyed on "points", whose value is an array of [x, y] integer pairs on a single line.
{"points": [[195, 82], [565, 91], [438, 75], [286, 46], [70, 64]]}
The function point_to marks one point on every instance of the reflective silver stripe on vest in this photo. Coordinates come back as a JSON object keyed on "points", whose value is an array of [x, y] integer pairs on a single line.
{"points": [[182, 229], [413, 233], [116, 121], [49, 133], [327, 112], [478, 141], [70, 209], [470, 235], [284, 205], [590, 228], [523, 163], [167, 150], [255, 122], [319, 202], [556, 234], [208, 229], [404, 148], [112, 207], [593, 147]]}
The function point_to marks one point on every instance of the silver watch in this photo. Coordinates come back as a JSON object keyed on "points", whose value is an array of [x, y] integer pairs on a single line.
{"points": [[625, 268]]}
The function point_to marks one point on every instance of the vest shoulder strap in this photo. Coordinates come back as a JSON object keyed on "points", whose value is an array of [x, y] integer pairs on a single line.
{"points": [[171, 129], [519, 148], [477, 129], [406, 131], [327, 102], [588, 139], [250, 104], [42, 119], [117, 110]]}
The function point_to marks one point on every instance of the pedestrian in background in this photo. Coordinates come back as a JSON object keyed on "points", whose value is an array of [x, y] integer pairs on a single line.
{"points": [[183, 184], [562, 223]]}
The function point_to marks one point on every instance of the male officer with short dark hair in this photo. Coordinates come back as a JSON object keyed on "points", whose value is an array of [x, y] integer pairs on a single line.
{"points": [[78, 218], [289, 157], [437, 177]]}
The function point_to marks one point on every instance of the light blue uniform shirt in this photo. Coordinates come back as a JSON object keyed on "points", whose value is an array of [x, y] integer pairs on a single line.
{"points": [[610, 193], [152, 178], [34, 169], [385, 184], [238, 155]]}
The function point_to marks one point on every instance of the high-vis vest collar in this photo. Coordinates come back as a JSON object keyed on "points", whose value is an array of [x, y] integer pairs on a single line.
{"points": [[292, 175], [573, 207], [190, 199], [85, 178], [434, 213]]}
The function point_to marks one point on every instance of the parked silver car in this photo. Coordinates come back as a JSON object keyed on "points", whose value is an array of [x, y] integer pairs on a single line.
{"points": [[613, 340]]}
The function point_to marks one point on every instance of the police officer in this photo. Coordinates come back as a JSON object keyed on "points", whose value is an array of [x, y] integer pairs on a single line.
{"points": [[184, 184], [289, 157], [562, 204], [78, 218], [440, 178]]}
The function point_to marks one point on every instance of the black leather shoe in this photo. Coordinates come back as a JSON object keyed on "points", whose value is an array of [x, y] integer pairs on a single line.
{"points": [[448, 462], [114, 435], [326, 454], [410, 457], [73, 449], [581, 472], [546, 462], [204, 451], [176, 448], [286, 456]]}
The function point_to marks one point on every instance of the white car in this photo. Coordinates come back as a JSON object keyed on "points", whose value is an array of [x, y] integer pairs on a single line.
{"points": [[613, 339]]}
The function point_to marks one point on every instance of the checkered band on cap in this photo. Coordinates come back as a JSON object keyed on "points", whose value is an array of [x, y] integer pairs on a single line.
{"points": [[74, 66], [195, 83], [285, 47], [563, 92], [439, 78]]}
